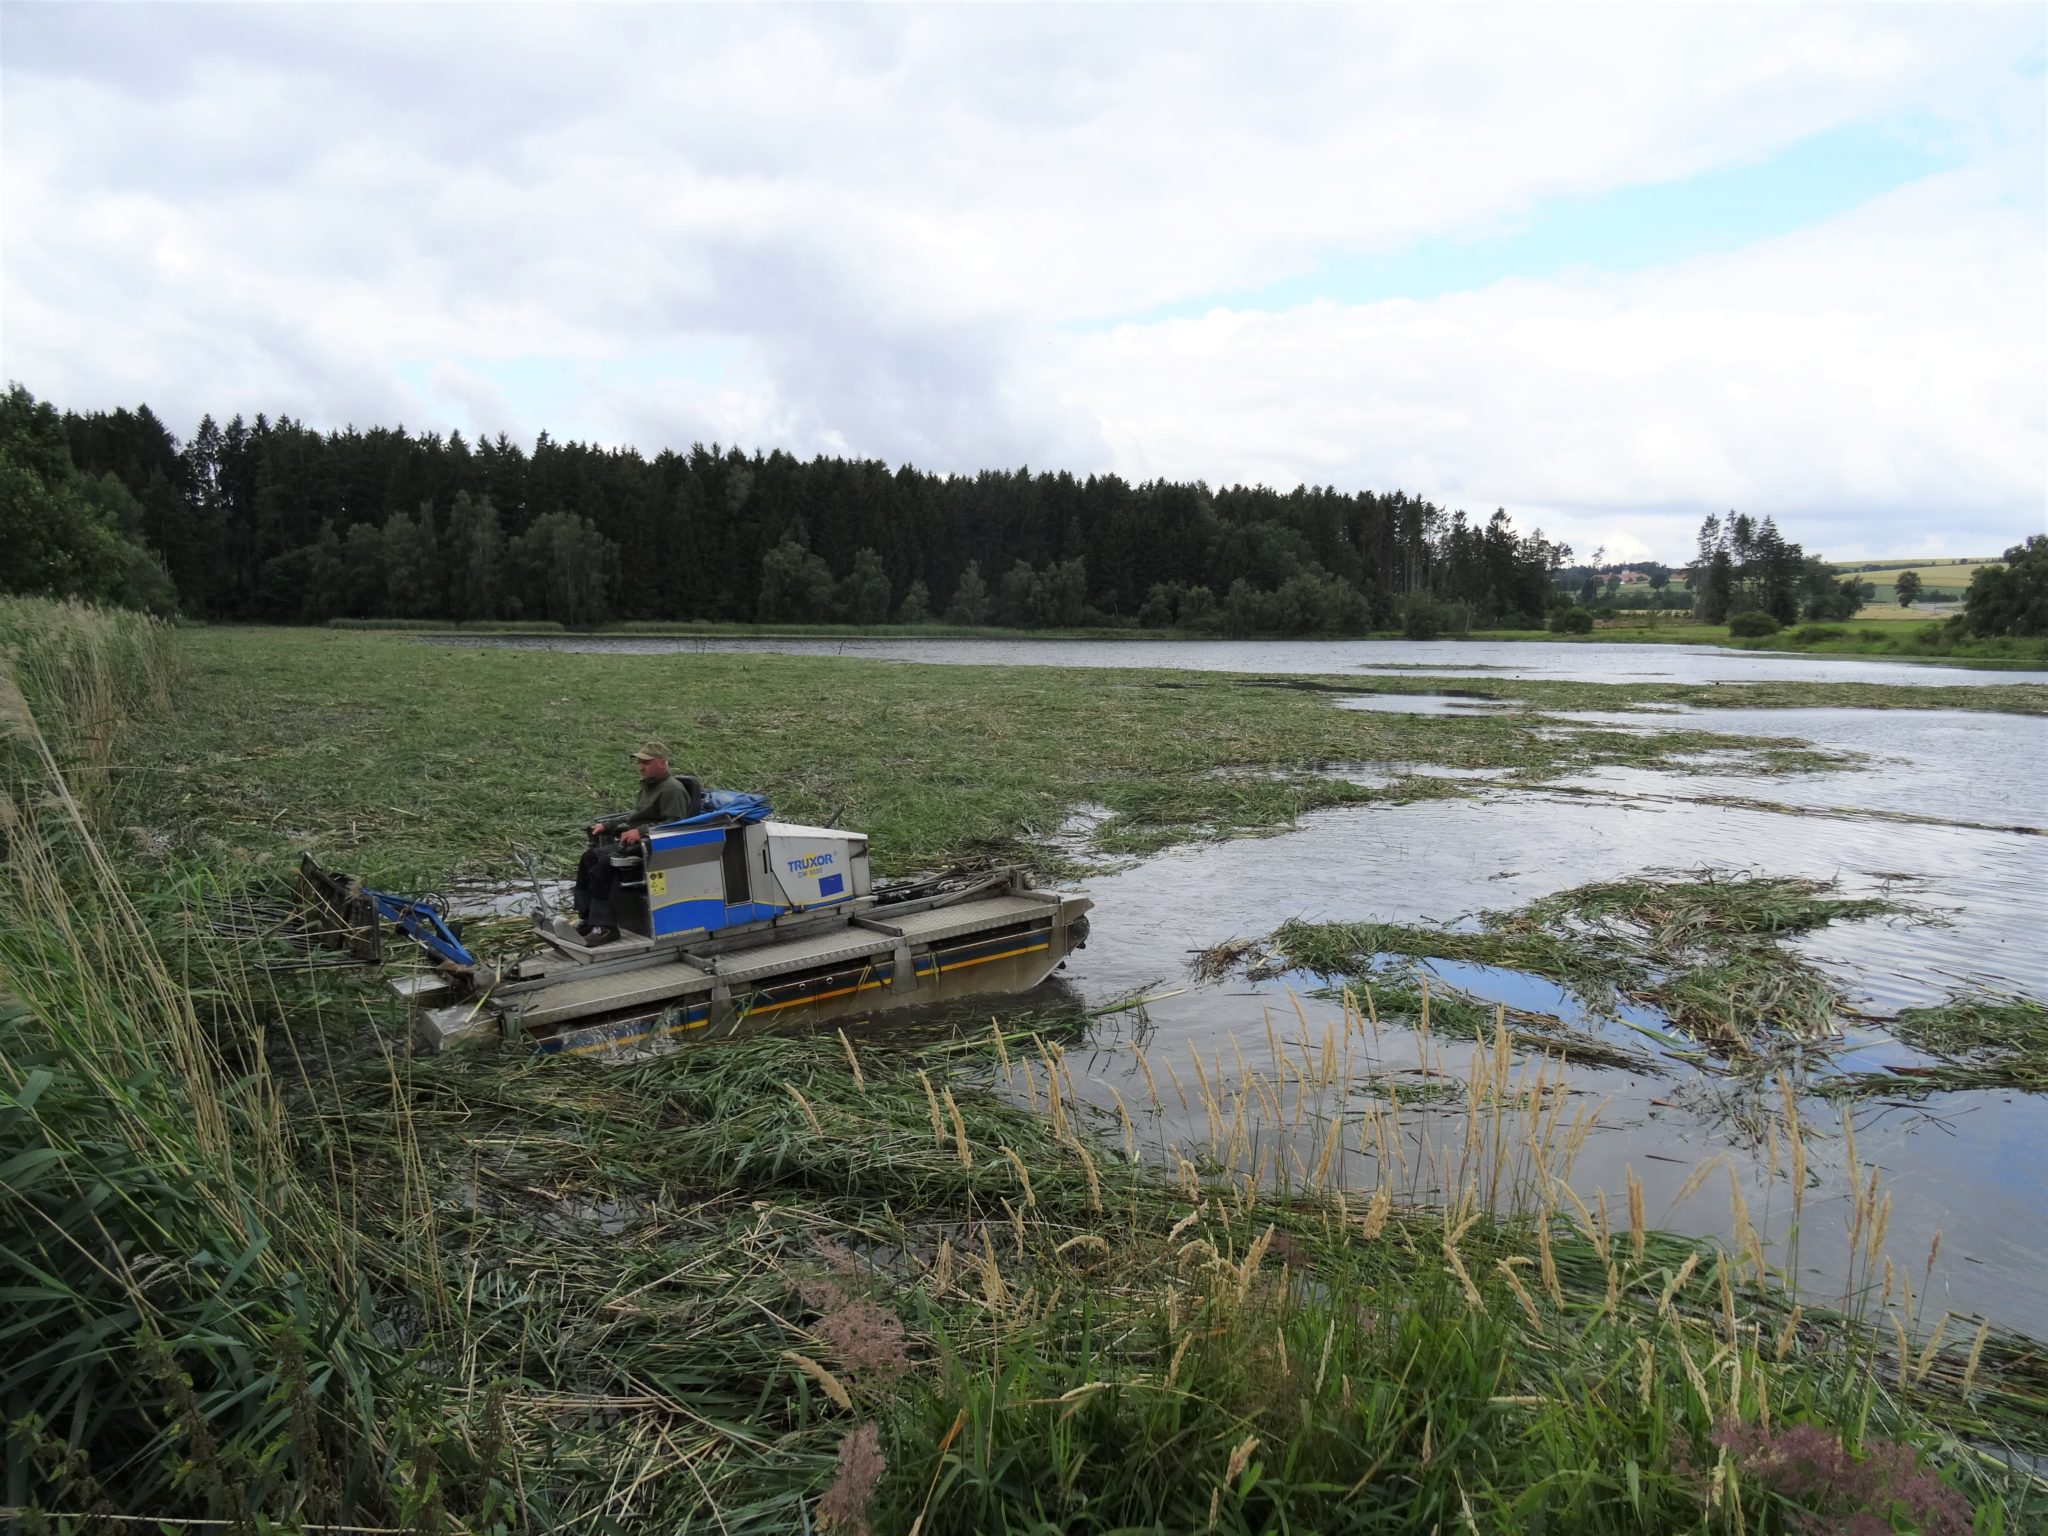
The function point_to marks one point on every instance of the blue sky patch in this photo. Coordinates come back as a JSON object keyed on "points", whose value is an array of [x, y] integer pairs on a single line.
{"points": [[1623, 230]]}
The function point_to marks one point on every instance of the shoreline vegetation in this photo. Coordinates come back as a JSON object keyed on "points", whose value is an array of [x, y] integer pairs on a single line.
{"points": [[1914, 639], [268, 1271]]}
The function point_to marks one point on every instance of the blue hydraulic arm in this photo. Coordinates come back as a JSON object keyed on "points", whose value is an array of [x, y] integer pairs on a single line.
{"points": [[423, 925]]}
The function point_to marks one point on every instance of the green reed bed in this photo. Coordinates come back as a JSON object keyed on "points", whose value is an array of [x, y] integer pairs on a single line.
{"points": [[412, 762]]}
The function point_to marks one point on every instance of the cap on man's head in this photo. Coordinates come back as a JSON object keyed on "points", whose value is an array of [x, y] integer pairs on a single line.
{"points": [[651, 752]]}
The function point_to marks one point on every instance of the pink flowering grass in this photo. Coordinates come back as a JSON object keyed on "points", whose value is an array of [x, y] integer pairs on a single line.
{"points": [[1835, 1491], [866, 1338], [844, 1506]]}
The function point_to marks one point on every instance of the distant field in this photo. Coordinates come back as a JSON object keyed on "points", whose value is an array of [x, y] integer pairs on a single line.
{"points": [[1892, 613], [1933, 573]]}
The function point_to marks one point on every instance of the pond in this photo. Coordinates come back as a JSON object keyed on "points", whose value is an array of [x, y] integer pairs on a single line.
{"points": [[1507, 659]]}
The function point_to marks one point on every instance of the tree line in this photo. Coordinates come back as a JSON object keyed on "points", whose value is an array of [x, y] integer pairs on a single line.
{"points": [[274, 521], [1746, 566]]}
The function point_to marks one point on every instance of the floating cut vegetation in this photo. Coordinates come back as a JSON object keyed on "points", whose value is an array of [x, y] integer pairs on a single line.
{"points": [[1977, 1042], [1998, 1041], [1704, 950], [267, 1271]]}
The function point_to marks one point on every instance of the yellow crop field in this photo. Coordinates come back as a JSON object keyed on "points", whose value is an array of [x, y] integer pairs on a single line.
{"points": [[1933, 573]]}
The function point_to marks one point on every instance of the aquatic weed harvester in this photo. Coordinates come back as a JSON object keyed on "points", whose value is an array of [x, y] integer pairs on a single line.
{"points": [[725, 918]]}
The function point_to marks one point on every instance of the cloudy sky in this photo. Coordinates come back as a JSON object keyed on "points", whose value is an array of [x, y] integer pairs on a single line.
{"points": [[1611, 268]]}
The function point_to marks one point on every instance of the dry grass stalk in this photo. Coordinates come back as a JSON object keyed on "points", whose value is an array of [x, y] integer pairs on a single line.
{"points": [[995, 1028], [993, 1291], [1976, 1356], [1596, 1234], [1322, 1170], [1130, 1135], [853, 1062], [932, 1099], [804, 1104], [1450, 1244], [826, 1381], [1692, 1370], [1930, 1350], [1240, 1457], [1677, 1284], [1254, 1257], [1208, 1093], [1528, 1302], [1023, 1176], [1323, 1365], [960, 1147], [1377, 1211], [1638, 1229], [1151, 1086], [1094, 1184], [1788, 1334], [1701, 1172], [1551, 1285], [1180, 1092]]}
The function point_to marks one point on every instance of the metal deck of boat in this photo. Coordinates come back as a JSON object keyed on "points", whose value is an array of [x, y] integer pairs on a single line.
{"points": [[948, 922], [559, 1002], [819, 950], [606, 994]]}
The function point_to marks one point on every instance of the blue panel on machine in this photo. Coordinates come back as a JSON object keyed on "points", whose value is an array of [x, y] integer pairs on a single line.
{"points": [[832, 885], [685, 916]]}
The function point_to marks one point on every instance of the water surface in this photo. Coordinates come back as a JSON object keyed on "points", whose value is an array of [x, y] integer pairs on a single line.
{"points": [[1507, 659]]}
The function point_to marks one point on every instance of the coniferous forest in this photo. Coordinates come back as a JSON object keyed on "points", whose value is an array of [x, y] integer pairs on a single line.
{"points": [[272, 521]]}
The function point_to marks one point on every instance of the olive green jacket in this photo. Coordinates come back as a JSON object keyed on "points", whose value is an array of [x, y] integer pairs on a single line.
{"points": [[666, 799]]}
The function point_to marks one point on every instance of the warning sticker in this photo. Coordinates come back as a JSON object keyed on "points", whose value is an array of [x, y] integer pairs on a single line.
{"points": [[657, 882]]}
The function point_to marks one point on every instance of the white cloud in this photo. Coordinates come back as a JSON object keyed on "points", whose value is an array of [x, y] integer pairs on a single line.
{"points": [[892, 222], [1884, 365]]}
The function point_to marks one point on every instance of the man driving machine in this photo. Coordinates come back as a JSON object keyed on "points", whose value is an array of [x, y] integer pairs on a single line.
{"points": [[664, 797]]}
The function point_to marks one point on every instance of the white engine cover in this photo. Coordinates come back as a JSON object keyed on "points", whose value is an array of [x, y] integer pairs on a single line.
{"points": [[816, 866]]}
